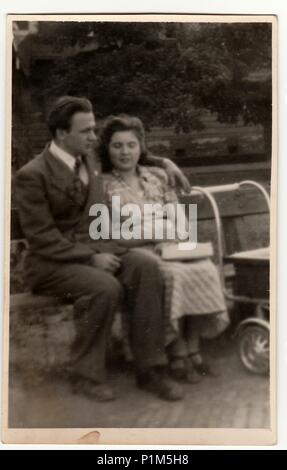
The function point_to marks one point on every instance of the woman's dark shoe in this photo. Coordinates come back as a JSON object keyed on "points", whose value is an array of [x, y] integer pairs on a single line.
{"points": [[182, 370], [160, 384], [98, 392], [192, 375], [206, 369], [202, 367]]}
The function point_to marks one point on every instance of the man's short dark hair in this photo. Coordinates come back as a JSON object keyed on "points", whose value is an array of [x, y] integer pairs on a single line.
{"points": [[63, 110]]}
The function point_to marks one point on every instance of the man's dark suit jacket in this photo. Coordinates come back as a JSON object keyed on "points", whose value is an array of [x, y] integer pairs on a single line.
{"points": [[53, 218]]}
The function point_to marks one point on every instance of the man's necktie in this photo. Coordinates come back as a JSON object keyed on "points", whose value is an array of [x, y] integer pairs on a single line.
{"points": [[80, 169], [77, 166], [78, 186]]}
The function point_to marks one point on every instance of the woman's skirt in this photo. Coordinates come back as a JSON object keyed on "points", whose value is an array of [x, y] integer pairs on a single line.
{"points": [[194, 288]]}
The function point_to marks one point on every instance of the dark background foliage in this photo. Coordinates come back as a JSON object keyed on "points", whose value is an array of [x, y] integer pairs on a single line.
{"points": [[163, 72]]}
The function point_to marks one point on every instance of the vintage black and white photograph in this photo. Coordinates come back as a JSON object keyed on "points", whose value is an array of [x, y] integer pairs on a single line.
{"points": [[141, 154]]}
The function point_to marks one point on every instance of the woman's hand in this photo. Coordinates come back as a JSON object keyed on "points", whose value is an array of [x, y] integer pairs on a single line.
{"points": [[106, 262], [175, 175], [158, 248]]}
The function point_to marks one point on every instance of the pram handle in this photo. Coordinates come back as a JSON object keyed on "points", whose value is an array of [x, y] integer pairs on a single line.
{"points": [[215, 189], [224, 188], [208, 192]]}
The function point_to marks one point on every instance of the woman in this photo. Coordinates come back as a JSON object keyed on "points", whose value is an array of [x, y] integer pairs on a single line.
{"points": [[194, 301]]}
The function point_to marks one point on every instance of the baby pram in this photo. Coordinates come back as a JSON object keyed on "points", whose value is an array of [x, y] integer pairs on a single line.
{"points": [[250, 285]]}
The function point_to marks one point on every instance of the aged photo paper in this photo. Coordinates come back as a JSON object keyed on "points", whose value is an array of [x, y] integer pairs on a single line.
{"points": [[113, 336]]}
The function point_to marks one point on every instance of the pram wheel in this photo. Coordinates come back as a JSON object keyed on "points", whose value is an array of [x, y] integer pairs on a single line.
{"points": [[253, 348]]}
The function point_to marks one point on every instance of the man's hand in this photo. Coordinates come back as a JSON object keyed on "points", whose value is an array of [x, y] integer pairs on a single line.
{"points": [[175, 175], [106, 262]]}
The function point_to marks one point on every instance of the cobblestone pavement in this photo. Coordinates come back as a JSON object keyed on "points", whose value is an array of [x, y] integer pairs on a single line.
{"points": [[235, 399]]}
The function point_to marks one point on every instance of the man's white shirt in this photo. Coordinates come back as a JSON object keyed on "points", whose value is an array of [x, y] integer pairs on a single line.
{"points": [[69, 160]]}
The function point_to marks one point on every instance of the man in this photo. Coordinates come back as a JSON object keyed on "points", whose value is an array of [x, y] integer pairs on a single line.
{"points": [[54, 194]]}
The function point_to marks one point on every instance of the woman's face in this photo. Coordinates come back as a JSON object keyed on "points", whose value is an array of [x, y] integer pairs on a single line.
{"points": [[124, 150]]}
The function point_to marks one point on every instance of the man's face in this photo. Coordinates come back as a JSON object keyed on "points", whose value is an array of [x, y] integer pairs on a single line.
{"points": [[80, 138]]}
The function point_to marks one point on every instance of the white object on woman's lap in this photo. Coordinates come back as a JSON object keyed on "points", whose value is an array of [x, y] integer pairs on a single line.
{"points": [[186, 251]]}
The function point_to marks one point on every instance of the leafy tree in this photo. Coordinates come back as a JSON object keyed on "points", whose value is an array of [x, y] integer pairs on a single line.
{"points": [[233, 64], [164, 72]]}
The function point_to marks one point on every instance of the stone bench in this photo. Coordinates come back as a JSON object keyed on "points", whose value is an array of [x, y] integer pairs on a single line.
{"points": [[42, 332]]}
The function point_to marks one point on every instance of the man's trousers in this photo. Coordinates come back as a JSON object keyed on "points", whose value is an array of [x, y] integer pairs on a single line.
{"points": [[98, 295]]}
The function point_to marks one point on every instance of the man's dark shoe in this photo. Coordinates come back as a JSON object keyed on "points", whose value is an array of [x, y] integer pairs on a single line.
{"points": [[98, 392], [160, 384]]}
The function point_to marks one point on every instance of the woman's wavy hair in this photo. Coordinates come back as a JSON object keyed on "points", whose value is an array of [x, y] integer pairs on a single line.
{"points": [[120, 123]]}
